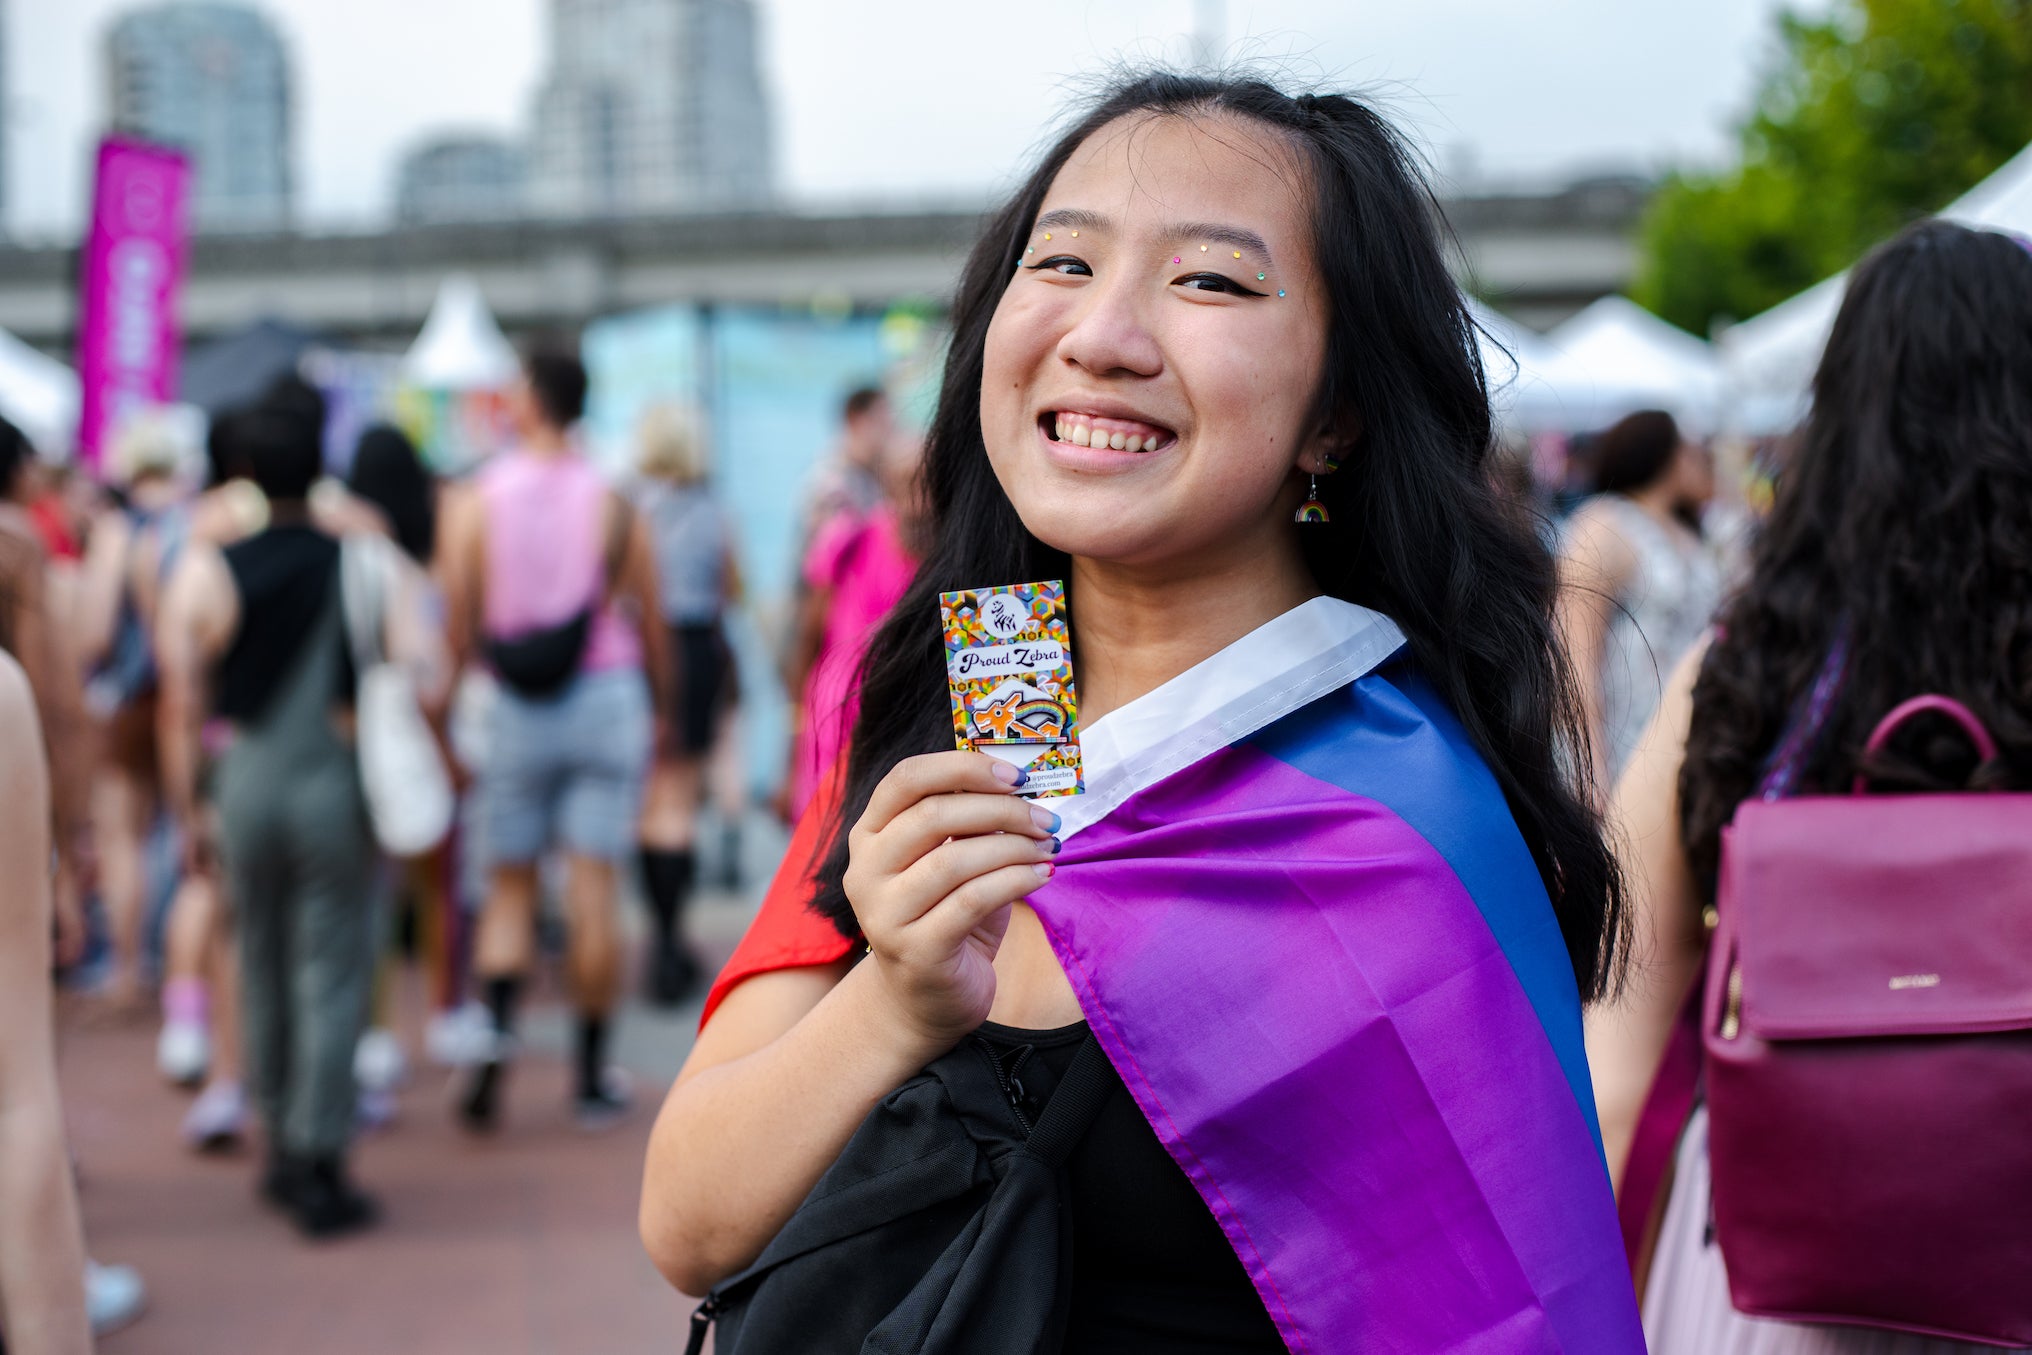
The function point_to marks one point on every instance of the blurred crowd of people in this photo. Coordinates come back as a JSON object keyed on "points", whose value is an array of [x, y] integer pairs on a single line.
{"points": [[194, 633], [213, 650]]}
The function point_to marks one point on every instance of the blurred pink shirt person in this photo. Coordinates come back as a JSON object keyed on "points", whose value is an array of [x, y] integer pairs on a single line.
{"points": [[547, 552], [862, 566]]}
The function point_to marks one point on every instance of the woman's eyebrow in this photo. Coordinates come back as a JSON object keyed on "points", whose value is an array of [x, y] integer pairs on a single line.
{"points": [[1222, 235], [1080, 219], [1070, 219]]}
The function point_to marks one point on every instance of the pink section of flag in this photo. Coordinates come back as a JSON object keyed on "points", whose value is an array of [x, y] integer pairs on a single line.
{"points": [[128, 335]]}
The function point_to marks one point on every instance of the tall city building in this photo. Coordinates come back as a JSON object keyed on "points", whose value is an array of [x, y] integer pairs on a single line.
{"points": [[651, 106], [212, 79], [460, 178]]}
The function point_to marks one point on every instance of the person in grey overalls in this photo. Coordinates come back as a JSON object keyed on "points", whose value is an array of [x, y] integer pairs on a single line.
{"points": [[258, 629]]}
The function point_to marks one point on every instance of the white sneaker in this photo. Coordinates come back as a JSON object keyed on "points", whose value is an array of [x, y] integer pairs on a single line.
{"points": [[114, 1296], [182, 1052], [378, 1061], [217, 1120], [460, 1037], [374, 1108]]}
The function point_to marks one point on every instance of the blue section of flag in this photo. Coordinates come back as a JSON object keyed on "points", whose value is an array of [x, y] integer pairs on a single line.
{"points": [[1388, 737]]}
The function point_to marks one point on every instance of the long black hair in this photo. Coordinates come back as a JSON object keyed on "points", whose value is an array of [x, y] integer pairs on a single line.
{"points": [[1416, 531], [1635, 451], [388, 474], [1903, 524]]}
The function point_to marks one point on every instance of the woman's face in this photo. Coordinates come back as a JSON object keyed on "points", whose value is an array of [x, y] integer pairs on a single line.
{"points": [[1150, 370]]}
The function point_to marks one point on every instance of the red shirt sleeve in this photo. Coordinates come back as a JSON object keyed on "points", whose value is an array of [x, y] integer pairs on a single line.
{"points": [[786, 933]]}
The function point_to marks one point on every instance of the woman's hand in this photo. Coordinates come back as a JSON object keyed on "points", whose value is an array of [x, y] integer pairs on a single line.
{"points": [[944, 849], [792, 1061]]}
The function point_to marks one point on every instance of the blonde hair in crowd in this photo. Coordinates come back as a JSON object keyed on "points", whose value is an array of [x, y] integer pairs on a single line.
{"points": [[163, 440], [669, 446]]}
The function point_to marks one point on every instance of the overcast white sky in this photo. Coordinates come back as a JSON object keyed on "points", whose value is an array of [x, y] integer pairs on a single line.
{"points": [[941, 98]]}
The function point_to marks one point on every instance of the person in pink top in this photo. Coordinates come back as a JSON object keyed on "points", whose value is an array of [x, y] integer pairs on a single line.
{"points": [[857, 567], [550, 581]]}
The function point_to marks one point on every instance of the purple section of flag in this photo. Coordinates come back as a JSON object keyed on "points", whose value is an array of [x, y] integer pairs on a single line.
{"points": [[133, 270], [1314, 1016]]}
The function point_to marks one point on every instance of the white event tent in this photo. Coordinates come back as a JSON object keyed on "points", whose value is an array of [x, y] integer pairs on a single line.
{"points": [[1612, 358], [38, 395], [1511, 354], [1768, 361], [460, 348]]}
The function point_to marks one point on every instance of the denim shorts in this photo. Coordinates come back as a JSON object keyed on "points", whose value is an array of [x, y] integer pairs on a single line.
{"points": [[565, 772]]}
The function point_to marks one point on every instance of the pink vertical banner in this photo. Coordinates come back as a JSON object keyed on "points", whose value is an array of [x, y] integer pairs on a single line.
{"points": [[128, 336]]}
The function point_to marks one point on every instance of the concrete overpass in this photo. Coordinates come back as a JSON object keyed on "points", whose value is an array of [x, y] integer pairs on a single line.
{"points": [[1538, 257]]}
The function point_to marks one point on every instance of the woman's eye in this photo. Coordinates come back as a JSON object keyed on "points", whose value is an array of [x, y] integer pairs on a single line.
{"points": [[1064, 265], [1211, 282]]}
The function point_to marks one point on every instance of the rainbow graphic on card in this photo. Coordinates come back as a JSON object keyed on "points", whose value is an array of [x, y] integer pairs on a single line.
{"points": [[1008, 663]]}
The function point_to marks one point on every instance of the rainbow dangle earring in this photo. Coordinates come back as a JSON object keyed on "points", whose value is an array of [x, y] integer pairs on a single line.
{"points": [[1312, 510]]}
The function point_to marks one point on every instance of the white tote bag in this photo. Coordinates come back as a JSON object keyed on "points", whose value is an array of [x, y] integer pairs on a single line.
{"points": [[408, 790]]}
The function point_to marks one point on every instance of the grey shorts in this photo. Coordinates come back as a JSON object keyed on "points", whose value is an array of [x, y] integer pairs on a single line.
{"points": [[566, 772]]}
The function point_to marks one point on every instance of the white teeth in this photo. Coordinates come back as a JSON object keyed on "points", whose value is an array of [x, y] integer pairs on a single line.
{"points": [[1079, 432]]}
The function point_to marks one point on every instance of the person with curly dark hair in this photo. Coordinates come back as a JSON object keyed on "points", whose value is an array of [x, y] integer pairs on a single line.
{"points": [[1897, 561]]}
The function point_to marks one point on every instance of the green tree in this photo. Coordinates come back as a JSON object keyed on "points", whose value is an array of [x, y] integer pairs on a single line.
{"points": [[1879, 113]]}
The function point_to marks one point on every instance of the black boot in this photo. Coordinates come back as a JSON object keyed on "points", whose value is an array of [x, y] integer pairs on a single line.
{"points": [[280, 1176], [476, 1095], [327, 1202], [674, 973], [730, 856], [476, 1089]]}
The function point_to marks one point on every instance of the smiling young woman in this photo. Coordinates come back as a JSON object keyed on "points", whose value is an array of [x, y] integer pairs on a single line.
{"points": [[1271, 1038]]}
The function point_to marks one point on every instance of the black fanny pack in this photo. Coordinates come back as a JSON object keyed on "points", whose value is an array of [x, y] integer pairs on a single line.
{"points": [[541, 663], [941, 1230]]}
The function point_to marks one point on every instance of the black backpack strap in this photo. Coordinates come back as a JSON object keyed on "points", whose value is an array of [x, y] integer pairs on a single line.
{"points": [[1074, 1104]]}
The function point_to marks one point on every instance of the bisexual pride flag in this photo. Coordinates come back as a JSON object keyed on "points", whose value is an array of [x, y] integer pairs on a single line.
{"points": [[1302, 923]]}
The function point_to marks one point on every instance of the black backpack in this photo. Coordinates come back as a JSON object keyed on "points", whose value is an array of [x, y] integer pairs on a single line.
{"points": [[941, 1230]]}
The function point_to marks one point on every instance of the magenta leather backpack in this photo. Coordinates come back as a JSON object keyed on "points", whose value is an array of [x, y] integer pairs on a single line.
{"points": [[1867, 1026]]}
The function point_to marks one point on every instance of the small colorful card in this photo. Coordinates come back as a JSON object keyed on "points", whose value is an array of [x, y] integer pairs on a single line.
{"points": [[1008, 663]]}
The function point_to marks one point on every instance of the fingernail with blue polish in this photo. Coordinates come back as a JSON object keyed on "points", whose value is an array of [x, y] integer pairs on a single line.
{"points": [[1044, 819]]}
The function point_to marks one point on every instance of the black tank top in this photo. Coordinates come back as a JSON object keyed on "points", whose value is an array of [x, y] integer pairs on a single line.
{"points": [[1152, 1272], [286, 577]]}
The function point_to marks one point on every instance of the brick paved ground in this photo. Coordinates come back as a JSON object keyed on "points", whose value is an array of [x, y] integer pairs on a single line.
{"points": [[523, 1244]]}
